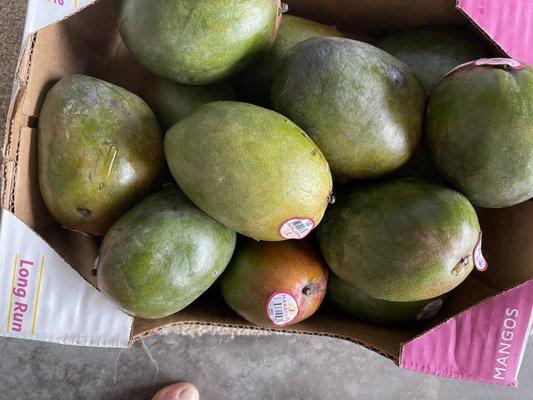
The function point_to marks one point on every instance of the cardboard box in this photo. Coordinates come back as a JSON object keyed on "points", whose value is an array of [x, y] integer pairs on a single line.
{"points": [[481, 334]]}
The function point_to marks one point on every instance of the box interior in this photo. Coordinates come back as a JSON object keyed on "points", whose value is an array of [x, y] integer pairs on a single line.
{"points": [[88, 43]]}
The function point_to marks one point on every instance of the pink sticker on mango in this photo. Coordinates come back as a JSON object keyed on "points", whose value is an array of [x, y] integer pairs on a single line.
{"points": [[491, 62], [509, 62], [479, 261]]}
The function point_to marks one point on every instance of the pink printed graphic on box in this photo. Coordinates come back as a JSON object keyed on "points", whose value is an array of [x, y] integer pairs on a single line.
{"points": [[485, 343], [64, 2], [26, 281], [507, 22]]}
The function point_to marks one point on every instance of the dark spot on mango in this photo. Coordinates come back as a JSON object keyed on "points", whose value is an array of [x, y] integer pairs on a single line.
{"points": [[310, 289], [461, 266], [397, 76], [84, 211]]}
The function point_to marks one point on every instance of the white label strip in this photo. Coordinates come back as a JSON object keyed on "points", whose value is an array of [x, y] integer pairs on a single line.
{"points": [[41, 13], [43, 298]]}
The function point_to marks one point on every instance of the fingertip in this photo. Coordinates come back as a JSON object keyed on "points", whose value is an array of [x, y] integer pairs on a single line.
{"points": [[178, 391]]}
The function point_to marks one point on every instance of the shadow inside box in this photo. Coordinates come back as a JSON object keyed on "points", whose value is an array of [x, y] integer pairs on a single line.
{"points": [[77, 249]]}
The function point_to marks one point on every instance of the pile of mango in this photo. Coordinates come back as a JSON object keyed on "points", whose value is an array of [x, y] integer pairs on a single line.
{"points": [[255, 130]]}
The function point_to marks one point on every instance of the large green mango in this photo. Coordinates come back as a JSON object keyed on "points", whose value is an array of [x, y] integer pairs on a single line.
{"points": [[434, 51], [401, 240], [161, 255], [99, 149], [251, 169], [361, 106], [479, 130], [255, 81], [172, 101], [376, 311], [198, 41]]}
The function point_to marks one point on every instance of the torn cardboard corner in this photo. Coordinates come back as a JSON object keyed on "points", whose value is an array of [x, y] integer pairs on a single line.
{"points": [[88, 43]]}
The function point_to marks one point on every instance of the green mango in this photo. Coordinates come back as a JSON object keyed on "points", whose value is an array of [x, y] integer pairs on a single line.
{"points": [[401, 240], [434, 51], [376, 311], [162, 255], [479, 129], [255, 81], [251, 169], [361, 106], [99, 149], [198, 41], [275, 283], [172, 101]]}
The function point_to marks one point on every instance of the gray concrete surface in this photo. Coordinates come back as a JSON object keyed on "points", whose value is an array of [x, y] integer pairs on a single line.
{"points": [[229, 368], [223, 367]]}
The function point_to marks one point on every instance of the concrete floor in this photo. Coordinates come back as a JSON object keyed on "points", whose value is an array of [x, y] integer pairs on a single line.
{"points": [[229, 368], [222, 366]]}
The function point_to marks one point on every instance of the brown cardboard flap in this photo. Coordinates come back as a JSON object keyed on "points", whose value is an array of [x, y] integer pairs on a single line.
{"points": [[57, 53], [77, 249], [507, 234], [15, 121], [378, 17], [211, 309], [29, 207]]}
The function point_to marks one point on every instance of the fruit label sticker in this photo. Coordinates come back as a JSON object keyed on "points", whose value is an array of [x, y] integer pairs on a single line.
{"points": [[496, 62], [282, 308], [500, 61], [296, 228], [479, 261], [430, 310]]}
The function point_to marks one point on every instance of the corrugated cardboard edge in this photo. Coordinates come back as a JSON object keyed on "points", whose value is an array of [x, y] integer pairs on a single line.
{"points": [[250, 330], [15, 122], [427, 369]]}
